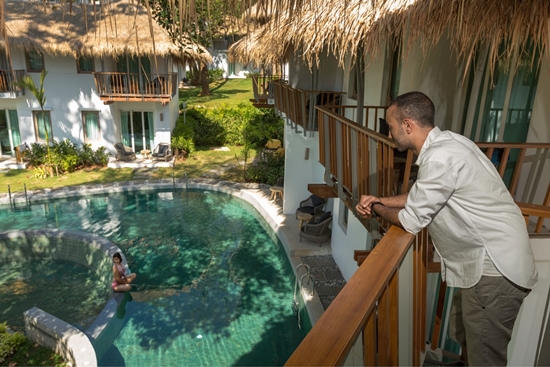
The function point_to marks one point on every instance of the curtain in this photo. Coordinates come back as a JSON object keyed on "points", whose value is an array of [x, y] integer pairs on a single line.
{"points": [[14, 123], [86, 64], [43, 124], [91, 121], [124, 120], [151, 129]]}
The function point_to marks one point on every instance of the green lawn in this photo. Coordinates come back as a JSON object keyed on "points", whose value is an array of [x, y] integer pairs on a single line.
{"points": [[230, 92], [204, 162], [220, 164]]}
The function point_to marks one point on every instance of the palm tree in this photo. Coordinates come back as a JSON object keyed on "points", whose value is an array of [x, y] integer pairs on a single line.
{"points": [[38, 93]]}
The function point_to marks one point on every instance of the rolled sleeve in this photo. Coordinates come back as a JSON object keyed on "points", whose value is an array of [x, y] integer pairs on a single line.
{"points": [[435, 185]]}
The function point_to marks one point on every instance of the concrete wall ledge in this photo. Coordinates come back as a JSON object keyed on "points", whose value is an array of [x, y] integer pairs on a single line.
{"points": [[65, 339]]}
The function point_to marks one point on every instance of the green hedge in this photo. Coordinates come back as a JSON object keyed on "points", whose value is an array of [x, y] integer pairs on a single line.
{"points": [[228, 125]]}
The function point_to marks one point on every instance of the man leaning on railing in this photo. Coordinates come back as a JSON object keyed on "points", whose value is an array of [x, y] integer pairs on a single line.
{"points": [[477, 229]]}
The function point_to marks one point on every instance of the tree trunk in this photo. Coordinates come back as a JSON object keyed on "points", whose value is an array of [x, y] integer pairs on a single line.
{"points": [[204, 80]]}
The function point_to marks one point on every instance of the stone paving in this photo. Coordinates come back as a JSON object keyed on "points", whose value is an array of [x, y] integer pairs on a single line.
{"points": [[328, 278]]}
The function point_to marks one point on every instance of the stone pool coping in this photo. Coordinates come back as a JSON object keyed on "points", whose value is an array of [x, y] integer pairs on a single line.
{"points": [[284, 227]]}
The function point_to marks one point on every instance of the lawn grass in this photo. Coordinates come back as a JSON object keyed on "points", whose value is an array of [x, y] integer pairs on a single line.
{"points": [[229, 92], [205, 162]]}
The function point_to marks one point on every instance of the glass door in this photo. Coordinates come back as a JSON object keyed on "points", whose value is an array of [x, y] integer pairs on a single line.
{"points": [[9, 132], [137, 130], [4, 134], [137, 127], [500, 110]]}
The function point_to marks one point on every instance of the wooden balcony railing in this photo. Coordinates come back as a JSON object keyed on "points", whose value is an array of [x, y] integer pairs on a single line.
{"points": [[295, 104], [137, 87], [525, 169], [358, 161], [7, 77], [264, 89], [369, 303]]}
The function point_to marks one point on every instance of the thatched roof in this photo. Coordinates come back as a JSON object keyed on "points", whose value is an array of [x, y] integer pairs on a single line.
{"points": [[358, 27], [262, 47], [115, 28]]}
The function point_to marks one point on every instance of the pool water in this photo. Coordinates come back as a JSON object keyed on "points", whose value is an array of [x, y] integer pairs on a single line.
{"points": [[213, 288], [57, 287]]}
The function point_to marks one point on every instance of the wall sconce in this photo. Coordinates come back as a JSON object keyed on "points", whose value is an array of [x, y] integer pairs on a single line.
{"points": [[161, 116], [306, 157]]}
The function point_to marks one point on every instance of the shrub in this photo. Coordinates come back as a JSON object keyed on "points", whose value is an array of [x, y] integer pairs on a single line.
{"points": [[9, 341], [227, 125], [101, 156], [66, 156], [182, 137], [207, 132], [267, 170], [215, 74], [37, 154]]}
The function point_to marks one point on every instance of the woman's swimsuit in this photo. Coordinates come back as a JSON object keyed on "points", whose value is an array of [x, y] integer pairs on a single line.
{"points": [[121, 272]]}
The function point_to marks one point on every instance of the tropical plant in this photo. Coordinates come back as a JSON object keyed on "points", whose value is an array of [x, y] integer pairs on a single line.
{"points": [[40, 95], [9, 341]]}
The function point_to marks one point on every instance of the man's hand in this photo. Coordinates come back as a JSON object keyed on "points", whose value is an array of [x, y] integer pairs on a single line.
{"points": [[364, 207]]}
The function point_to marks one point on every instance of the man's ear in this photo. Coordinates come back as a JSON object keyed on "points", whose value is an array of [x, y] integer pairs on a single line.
{"points": [[408, 125]]}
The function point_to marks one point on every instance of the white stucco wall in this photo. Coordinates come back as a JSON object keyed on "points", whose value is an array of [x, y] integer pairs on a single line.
{"points": [[300, 172], [435, 76], [68, 93]]}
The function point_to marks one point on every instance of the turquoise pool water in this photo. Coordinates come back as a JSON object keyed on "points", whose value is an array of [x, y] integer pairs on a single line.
{"points": [[213, 288]]}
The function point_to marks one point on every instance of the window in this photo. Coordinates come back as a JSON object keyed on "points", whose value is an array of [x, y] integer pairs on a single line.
{"points": [[85, 64], [90, 119], [42, 125], [35, 61]]}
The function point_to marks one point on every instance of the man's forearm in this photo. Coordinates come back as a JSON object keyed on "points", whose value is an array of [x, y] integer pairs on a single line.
{"points": [[397, 201], [391, 214]]}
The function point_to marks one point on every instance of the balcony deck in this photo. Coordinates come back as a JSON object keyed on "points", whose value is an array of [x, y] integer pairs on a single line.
{"points": [[135, 87]]}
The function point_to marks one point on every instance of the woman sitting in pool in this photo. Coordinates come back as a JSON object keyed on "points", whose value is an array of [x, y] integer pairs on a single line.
{"points": [[121, 282]]}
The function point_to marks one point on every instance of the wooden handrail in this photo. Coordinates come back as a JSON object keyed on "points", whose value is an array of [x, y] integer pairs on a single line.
{"points": [[120, 84], [375, 282], [295, 103], [7, 77]]}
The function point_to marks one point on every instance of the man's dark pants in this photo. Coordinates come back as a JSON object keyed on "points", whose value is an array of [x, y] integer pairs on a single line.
{"points": [[482, 318]]}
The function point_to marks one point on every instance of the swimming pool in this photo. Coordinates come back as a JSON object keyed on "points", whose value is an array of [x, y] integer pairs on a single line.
{"points": [[213, 287]]}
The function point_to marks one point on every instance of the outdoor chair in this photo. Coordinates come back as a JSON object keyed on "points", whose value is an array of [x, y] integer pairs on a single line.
{"points": [[162, 152], [318, 229], [312, 205], [124, 153], [273, 146]]}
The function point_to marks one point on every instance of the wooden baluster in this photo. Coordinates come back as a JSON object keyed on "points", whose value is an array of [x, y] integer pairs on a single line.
{"points": [[383, 329], [503, 162], [369, 340], [393, 322], [546, 201], [517, 171]]}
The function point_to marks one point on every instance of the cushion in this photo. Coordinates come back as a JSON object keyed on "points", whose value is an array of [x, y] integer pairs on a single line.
{"points": [[305, 209], [316, 200], [323, 217]]}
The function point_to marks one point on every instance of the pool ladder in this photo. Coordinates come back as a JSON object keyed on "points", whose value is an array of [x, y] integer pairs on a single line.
{"points": [[297, 299]]}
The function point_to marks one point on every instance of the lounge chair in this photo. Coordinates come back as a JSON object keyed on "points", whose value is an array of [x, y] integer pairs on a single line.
{"points": [[312, 205], [162, 152], [318, 229], [124, 153]]}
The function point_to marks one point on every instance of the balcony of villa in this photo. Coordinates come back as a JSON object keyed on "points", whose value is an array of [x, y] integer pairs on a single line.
{"points": [[136, 87], [7, 89], [381, 315], [298, 104]]}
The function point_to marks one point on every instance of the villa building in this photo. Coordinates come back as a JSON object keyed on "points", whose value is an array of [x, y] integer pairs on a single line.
{"points": [[112, 75], [489, 79]]}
